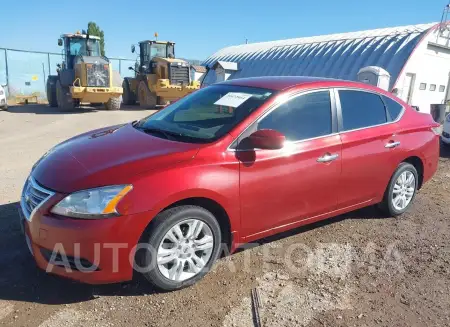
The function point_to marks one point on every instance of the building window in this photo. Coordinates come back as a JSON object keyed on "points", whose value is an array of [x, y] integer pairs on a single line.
{"points": [[432, 87], [423, 86], [441, 88]]}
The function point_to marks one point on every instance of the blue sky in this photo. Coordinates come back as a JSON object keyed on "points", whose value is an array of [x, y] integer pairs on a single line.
{"points": [[201, 27]]}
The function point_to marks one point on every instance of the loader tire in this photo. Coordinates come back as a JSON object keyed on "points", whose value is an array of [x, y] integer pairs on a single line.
{"points": [[51, 91], [147, 99], [64, 98], [113, 103], [129, 97]]}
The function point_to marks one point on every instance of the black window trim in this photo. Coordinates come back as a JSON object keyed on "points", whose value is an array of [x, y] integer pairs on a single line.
{"points": [[252, 126], [339, 109]]}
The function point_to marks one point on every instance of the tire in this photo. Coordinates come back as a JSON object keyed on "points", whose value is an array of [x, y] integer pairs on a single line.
{"points": [[64, 98], [51, 91], [157, 233], [128, 96], [147, 99], [387, 205], [113, 103]]}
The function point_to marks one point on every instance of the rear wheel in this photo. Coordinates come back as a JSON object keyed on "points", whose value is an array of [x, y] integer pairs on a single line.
{"points": [[185, 242], [128, 96], [147, 99], [113, 103], [401, 190], [64, 98]]}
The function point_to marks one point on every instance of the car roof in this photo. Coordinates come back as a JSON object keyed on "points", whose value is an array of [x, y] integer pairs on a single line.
{"points": [[280, 83]]}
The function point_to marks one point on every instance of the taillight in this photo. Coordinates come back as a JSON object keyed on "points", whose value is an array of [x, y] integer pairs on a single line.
{"points": [[437, 130]]}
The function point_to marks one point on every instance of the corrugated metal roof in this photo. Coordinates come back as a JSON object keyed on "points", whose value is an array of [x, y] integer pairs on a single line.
{"points": [[335, 55], [199, 69]]}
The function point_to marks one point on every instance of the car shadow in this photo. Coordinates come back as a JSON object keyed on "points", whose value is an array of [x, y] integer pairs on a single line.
{"points": [[21, 280]]}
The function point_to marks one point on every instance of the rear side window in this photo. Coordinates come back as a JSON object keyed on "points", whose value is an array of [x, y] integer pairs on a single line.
{"points": [[303, 117], [361, 109], [394, 108]]}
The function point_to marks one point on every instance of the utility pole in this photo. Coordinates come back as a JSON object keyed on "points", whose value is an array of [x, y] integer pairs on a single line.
{"points": [[7, 72]]}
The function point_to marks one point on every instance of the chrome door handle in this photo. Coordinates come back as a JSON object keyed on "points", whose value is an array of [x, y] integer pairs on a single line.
{"points": [[392, 145], [328, 157]]}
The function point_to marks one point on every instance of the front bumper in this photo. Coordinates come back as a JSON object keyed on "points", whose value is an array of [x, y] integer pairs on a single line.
{"points": [[104, 249], [445, 136], [95, 94], [169, 92]]}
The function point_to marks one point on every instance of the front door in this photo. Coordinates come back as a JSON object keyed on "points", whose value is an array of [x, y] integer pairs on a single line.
{"points": [[299, 181]]}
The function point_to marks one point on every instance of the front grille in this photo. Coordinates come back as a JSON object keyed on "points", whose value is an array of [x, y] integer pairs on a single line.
{"points": [[97, 75], [33, 195], [179, 74]]}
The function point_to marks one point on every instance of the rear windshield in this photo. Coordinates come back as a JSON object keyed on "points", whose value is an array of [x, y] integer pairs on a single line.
{"points": [[205, 115]]}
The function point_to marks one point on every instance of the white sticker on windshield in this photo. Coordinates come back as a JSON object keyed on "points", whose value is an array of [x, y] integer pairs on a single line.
{"points": [[233, 99]]}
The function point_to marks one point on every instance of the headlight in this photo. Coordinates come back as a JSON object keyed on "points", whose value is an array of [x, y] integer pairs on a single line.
{"points": [[92, 204]]}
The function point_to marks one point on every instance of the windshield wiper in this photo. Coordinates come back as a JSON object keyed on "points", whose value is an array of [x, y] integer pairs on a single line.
{"points": [[167, 134]]}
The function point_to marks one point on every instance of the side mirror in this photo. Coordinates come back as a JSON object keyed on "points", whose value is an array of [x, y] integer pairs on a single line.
{"points": [[60, 42], [269, 139], [130, 68], [58, 65], [133, 48]]}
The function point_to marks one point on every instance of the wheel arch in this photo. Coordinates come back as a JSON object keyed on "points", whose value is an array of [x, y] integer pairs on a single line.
{"points": [[418, 164], [209, 204]]}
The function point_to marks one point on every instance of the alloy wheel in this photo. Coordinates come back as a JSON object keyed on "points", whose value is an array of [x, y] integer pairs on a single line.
{"points": [[185, 250], [403, 191]]}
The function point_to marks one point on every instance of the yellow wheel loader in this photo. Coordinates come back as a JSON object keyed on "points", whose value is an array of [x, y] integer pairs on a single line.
{"points": [[159, 77], [84, 76]]}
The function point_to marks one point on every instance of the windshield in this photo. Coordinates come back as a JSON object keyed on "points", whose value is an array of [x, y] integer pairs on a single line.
{"points": [[78, 46], [158, 50], [205, 115]]}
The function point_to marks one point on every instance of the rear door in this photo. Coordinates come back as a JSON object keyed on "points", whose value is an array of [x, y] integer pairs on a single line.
{"points": [[279, 187], [369, 142]]}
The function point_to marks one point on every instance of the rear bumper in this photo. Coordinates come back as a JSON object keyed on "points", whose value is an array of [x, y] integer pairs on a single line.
{"points": [[95, 94], [90, 251], [431, 161]]}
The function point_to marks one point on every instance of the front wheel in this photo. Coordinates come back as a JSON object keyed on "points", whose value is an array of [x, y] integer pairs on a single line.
{"points": [[183, 243], [147, 99], [401, 190], [113, 103]]}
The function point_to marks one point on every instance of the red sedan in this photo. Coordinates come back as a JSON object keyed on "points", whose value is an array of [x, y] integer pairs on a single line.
{"points": [[228, 164]]}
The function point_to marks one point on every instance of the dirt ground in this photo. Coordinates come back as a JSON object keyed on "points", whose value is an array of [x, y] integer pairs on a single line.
{"points": [[360, 269]]}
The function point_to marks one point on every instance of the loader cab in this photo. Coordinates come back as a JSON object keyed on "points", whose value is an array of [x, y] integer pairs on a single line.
{"points": [[152, 49], [78, 45]]}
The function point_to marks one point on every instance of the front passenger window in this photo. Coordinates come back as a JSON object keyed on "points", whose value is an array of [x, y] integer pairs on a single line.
{"points": [[303, 117]]}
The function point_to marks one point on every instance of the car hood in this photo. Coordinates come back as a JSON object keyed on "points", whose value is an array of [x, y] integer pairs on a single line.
{"points": [[107, 156]]}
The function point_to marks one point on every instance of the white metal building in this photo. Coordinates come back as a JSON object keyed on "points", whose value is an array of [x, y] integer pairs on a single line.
{"points": [[417, 57]]}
